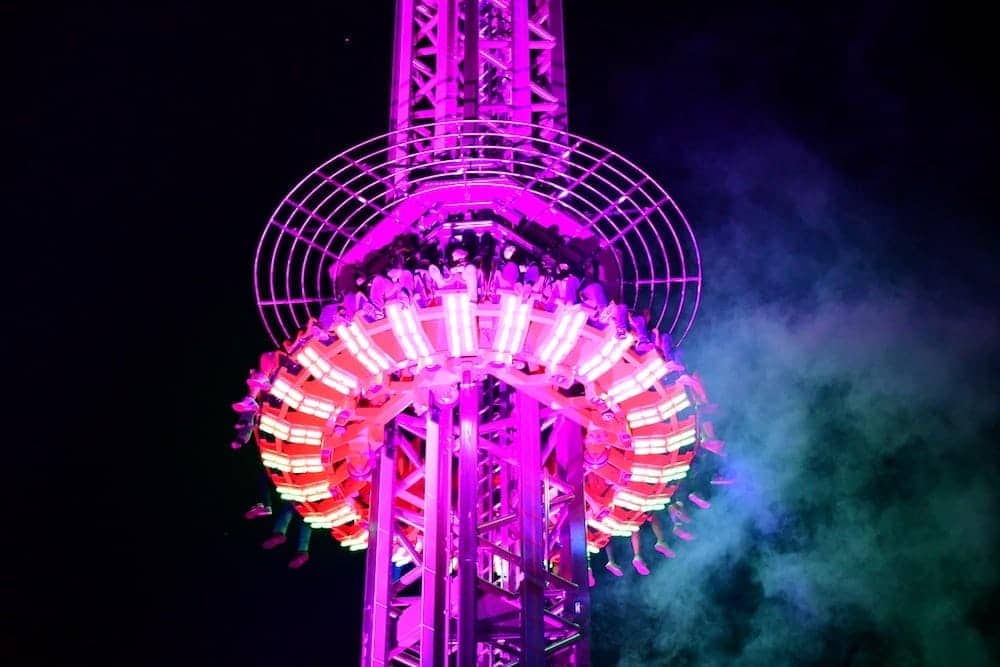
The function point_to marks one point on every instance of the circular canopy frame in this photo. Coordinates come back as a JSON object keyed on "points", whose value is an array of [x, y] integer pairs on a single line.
{"points": [[516, 177]]}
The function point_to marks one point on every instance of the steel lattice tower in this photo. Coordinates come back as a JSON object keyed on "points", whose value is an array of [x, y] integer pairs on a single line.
{"points": [[477, 429]]}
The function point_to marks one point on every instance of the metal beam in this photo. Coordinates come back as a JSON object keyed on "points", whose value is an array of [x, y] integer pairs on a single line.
{"points": [[468, 497], [521, 83], [532, 533], [378, 567], [470, 61], [437, 538], [573, 537]]}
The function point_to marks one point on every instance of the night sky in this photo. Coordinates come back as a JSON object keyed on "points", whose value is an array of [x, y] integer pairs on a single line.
{"points": [[834, 159]]}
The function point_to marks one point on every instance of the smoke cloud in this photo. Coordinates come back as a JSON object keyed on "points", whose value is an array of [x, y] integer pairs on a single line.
{"points": [[859, 408]]}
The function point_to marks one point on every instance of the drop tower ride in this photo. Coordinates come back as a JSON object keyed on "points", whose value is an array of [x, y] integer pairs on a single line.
{"points": [[477, 317]]}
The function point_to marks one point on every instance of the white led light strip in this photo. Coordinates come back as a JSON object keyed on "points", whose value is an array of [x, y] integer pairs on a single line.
{"points": [[295, 464], [331, 376], [338, 517], [658, 413], [659, 474], [297, 400], [301, 435], [356, 542], [407, 330], [364, 350], [611, 526], [303, 494], [276, 427], [563, 336], [461, 322], [638, 382], [513, 324], [286, 393], [659, 444], [611, 352], [634, 501]]}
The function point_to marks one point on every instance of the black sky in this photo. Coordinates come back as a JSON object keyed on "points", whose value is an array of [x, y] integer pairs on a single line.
{"points": [[150, 142]]}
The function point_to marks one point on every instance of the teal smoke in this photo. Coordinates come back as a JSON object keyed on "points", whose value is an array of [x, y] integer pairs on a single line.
{"points": [[859, 405]]}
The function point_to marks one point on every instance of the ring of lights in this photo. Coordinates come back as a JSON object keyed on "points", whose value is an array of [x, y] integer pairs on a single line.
{"points": [[357, 200], [326, 413]]}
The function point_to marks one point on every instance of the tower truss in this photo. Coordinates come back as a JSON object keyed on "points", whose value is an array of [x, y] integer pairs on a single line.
{"points": [[477, 315]]}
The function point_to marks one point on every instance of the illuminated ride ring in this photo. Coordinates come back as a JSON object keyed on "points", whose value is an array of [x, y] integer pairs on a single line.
{"points": [[328, 404], [411, 180], [339, 385]]}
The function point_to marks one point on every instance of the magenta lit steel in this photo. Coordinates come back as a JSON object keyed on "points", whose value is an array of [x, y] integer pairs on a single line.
{"points": [[477, 383]]}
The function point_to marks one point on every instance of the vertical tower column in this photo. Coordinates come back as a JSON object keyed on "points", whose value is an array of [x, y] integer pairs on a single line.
{"points": [[532, 522], [468, 519], [378, 568], [434, 603], [573, 537]]}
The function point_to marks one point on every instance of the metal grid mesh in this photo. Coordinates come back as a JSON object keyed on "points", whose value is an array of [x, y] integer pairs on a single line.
{"points": [[338, 205]]}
